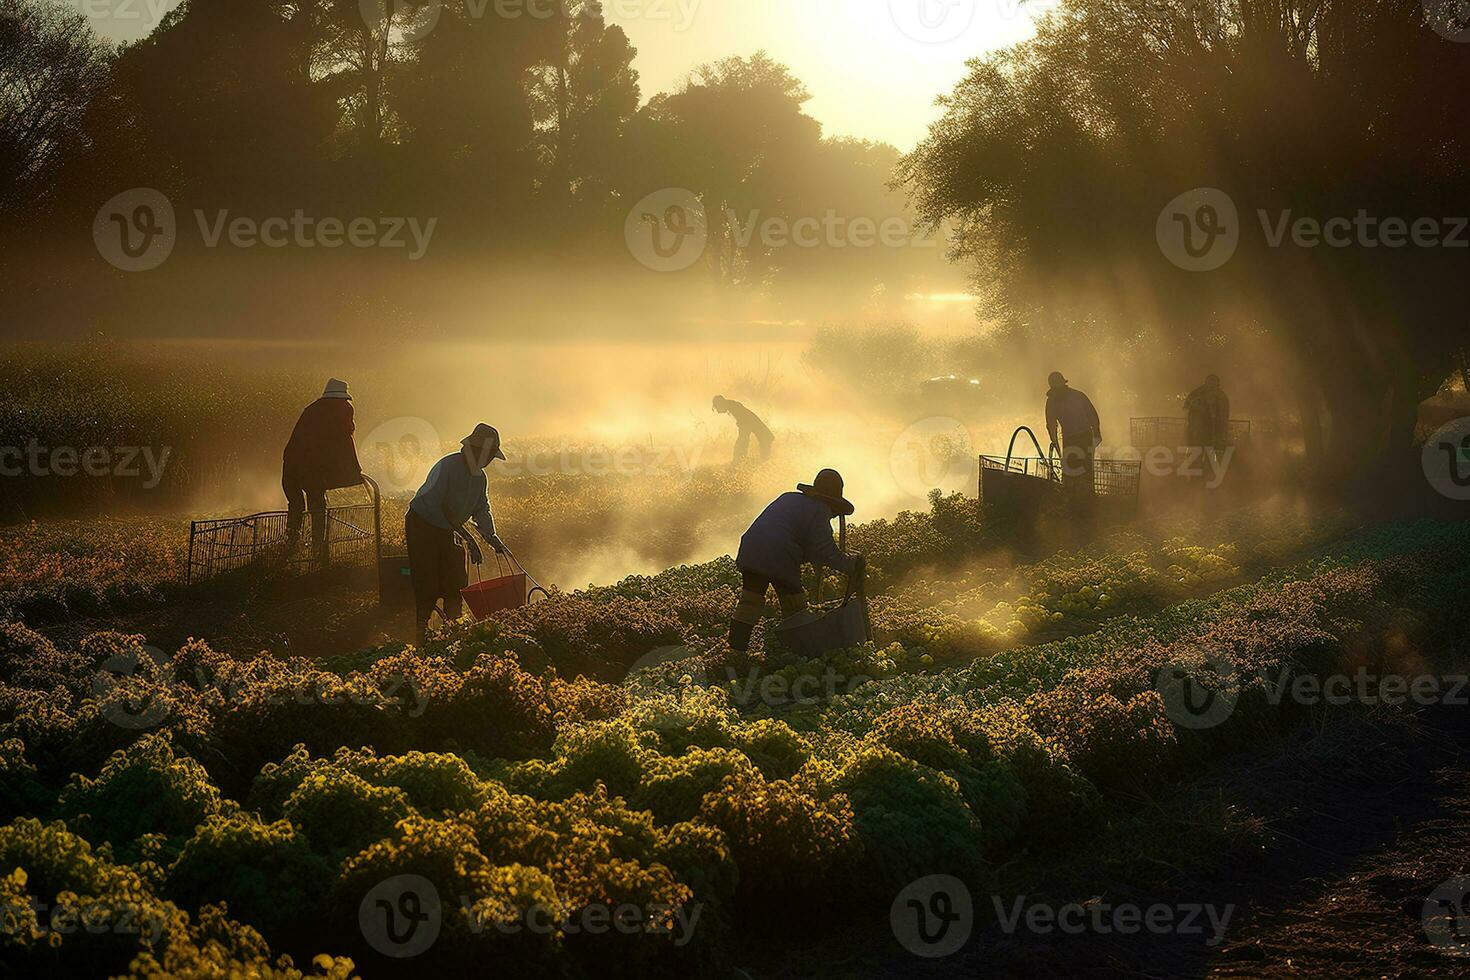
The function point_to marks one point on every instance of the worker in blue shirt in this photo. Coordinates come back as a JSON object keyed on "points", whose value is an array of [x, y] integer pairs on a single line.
{"points": [[796, 528], [455, 493]]}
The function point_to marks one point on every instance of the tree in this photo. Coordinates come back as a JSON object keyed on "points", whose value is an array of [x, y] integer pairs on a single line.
{"points": [[1056, 157], [735, 134], [582, 94], [52, 68]]}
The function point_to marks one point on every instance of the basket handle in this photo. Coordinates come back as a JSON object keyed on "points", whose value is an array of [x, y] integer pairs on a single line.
{"points": [[1011, 452]]}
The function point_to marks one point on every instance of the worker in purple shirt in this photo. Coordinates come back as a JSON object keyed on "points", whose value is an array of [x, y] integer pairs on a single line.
{"points": [[795, 528], [455, 493]]}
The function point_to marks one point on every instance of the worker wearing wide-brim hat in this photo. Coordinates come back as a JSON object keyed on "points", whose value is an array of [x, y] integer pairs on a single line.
{"points": [[795, 528], [455, 493]]}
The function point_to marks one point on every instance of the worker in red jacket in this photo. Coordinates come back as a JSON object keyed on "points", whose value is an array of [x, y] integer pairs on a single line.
{"points": [[319, 457]]}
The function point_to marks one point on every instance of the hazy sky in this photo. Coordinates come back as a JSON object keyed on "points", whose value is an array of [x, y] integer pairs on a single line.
{"points": [[874, 67]]}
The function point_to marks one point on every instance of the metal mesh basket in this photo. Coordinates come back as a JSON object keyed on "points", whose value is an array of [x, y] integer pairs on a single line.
{"points": [[1174, 432], [260, 542], [1111, 477]]}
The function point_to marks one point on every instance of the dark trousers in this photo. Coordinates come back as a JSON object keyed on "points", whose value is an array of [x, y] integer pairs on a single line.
{"points": [[1079, 468], [742, 444], [753, 588], [436, 563], [301, 499]]}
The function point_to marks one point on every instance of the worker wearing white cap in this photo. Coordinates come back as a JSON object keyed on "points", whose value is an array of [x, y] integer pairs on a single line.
{"points": [[320, 456]]}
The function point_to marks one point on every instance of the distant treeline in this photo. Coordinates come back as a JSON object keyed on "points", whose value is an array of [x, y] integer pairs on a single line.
{"points": [[518, 137]]}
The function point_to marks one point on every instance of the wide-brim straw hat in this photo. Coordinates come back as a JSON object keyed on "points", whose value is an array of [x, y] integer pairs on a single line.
{"points": [[485, 437], [828, 487]]}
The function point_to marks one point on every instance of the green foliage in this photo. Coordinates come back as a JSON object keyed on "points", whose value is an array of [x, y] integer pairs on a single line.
{"points": [[249, 865], [145, 788]]}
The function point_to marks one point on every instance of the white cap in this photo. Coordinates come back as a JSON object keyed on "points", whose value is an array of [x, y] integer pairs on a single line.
{"points": [[336, 389]]}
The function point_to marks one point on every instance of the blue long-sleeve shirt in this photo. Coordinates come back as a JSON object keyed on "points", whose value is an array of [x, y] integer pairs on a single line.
{"points": [[453, 494], [795, 528]]}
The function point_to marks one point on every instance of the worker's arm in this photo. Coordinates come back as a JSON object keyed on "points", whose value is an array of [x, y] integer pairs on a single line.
{"points": [[1096, 422], [820, 549], [1051, 420], [485, 523]]}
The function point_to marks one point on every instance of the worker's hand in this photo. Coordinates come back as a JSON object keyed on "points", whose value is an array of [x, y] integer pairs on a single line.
{"points": [[497, 544], [476, 555]]}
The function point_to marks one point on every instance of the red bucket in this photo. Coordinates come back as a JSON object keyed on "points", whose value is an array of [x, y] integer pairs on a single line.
{"points": [[495, 595]]}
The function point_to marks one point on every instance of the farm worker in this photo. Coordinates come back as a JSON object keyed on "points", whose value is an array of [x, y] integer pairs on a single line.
{"points": [[1208, 411], [1081, 432], [320, 456], [454, 493], [748, 424], [795, 528]]}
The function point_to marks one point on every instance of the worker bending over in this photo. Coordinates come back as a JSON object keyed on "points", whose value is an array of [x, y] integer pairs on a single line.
{"points": [[794, 528], [747, 424], [455, 492]]}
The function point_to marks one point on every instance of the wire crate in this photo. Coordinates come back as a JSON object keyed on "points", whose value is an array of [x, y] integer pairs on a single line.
{"points": [[1173, 433], [259, 542]]}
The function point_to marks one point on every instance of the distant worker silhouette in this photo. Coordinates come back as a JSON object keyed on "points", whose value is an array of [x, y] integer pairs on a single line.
{"points": [[1081, 434], [1208, 411], [794, 528], [320, 456], [749, 424]]}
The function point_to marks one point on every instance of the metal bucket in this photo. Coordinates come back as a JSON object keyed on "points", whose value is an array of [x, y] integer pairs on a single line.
{"points": [[816, 631]]}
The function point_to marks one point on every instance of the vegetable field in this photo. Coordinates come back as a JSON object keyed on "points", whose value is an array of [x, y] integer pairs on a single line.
{"points": [[599, 758]]}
